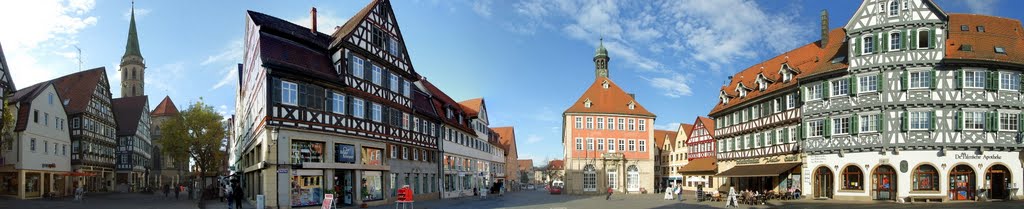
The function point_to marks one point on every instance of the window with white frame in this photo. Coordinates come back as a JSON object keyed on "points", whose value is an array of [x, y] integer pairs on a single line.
{"points": [[611, 144], [920, 120], [841, 125], [611, 123], [920, 79], [394, 82], [600, 123], [632, 145], [405, 153], [894, 7], [643, 145], [289, 93], [579, 122], [590, 143], [357, 67], [776, 104], [1009, 81], [840, 87], [894, 41], [590, 122], [791, 101], [814, 92], [974, 78], [358, 108], [338, 103], [376, 75], [632, 124], [622, 124], [622, 145], [643, 125], [786, 76], [792, 134], [1008, 121], [868, 45], [377, 110], [406, 89], [974, 120], [815, 128], [600, 144], [868, 123], [868, 83], [579, 143]]}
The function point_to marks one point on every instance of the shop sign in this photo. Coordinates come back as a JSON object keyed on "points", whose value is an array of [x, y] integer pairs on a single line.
{"points": [[965, 156], [344, 153], [792, 158], [816, 159], [283, 170], [49, 165], [772, 159], [748, 161]]}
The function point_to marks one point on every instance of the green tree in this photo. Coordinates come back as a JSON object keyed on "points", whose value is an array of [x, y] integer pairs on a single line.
{"points": [[6, 123], [197, 134]]}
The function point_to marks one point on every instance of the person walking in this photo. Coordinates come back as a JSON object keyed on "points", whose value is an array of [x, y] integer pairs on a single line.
{"points": [[177, 190], [236, 193], [679, 192], [167, 189], [731, 201], [188, 192], [609, 194]]}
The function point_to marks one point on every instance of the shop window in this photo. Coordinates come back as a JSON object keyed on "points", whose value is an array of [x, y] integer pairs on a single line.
{"points": [[307, 190], [372, 185], [853, 178], [307, 151], [926, 178], [372, 156]]}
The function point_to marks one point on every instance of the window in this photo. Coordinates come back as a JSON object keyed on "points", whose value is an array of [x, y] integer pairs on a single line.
{"points": [[600, 123], [611, 123], [338, 103], [632, 126], [981, 28], [376, 112], [406, 89], [307, 151], [841, 87], [790, 101], [611, 145], [51, 99], [643, 145], [814, 92], [622, 124], [579, 143], [643, 125], [376, 75], [965, 28], [894, 7], [920, 120], [589, 178], [394, 151], [852, 178], [32, 145], [46, 146], [358, 109], [1008, 121], [1000, 50], [869, 45], [35, 116], [841, 125], [868, 83], [590, 144], [921, 79], [632, 178], [405, 153], [1009, 81], [590, 123], [974, 79], [815, 128], [393, 47], [394, 83], [894, 41], [926, 178], [579, 122], [600, 144], [306, 184], [868, 123], [289, 93], [632, 145], [922, 39], [974, 120], [622, 145], [372, 185]]}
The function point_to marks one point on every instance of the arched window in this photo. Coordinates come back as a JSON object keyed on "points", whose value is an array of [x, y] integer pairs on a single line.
{"points": [[894, 8], [926, 178], [853, 178], [589, 178], [633, 178], [133, 73]]}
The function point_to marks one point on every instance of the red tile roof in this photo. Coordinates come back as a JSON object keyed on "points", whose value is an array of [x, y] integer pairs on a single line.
{"points": [[607, 100], [442, 100], [708, 123], [507, 136], [525, 164], [128, 111], [999, 32], [556, 165], [685, 128], [661, 135], [807, 60], [77, 88], [165, 108], [472, 106]]}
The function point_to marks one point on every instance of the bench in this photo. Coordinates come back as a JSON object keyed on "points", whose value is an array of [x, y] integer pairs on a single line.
{"points": [[925, 199]]}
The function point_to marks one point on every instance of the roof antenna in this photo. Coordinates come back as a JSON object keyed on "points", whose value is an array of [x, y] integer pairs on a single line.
{"points": [[79, 58]]}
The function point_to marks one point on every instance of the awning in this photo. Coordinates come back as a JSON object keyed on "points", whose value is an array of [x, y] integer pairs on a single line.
{"points": [[700, 166], [696, 179], [758, 170]]}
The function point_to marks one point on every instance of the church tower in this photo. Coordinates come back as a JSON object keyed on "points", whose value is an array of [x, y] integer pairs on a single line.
{"points": [[133, 66], [601, 61]]}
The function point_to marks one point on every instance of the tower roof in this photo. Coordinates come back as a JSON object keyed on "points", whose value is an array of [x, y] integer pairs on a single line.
{"points": [[165, 108], [132, 47], [601, 51]]}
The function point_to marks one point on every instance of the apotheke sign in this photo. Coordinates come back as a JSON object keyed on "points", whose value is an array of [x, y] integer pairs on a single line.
{"points": [[965, 156]]}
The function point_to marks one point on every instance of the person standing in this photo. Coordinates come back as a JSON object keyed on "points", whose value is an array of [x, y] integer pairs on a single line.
{"points": [[177, 190], [167, 189], [678, 192], [236, 193], [609, 194]]}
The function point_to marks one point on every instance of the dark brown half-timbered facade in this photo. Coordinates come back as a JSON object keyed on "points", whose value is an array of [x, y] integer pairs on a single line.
{"points": [[87, 100]]}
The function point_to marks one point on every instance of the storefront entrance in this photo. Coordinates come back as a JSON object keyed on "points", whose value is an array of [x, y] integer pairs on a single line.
{"points": [[344, 187], [823, 183], [961, 183], [998, 178], [884, 183]]}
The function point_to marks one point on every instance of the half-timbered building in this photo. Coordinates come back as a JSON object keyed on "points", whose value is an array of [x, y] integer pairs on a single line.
{"points": [[662, 148], [929, 107], [702, 162], [134, 145], [318, 111], [607, 138], [87, 100]]}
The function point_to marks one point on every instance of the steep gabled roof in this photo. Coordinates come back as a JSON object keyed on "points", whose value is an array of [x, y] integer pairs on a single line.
{"points": [[288, 30], [421, 104], [77, 89], [350, 25], [24, 98], [507, 136], [525, 164], [128, 111], [607, 100], [165, 108], [708, 124], [441, 101], [999, 32], [556, 165], [660, 136], [472, 106]]}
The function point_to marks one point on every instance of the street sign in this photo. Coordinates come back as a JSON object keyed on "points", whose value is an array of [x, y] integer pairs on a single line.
{"points": [[328, 198], [283, 170]]}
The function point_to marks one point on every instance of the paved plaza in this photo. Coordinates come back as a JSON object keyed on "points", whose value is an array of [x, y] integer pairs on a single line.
{"points": [[514, 200]]}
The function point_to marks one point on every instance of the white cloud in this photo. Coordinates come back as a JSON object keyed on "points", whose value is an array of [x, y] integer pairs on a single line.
{"points": [[482, 8], [987, 7], [674, 86], [231, 74], [230, 53], [45, 29], [667, 127], [533, 139], [139, 13], [162, 78]]}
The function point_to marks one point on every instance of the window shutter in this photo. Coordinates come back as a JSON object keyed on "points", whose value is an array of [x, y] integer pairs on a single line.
{"points": [[1020, 122], [881, 125], [935, 80], [878, 44], [990, 83], [803, 94], [367, 70], [906, 124], [853, 85], [825, 91], [856, 46], [828, 126], [801, 132], [1021, 77], [912, 36], [903, 79], [853, 124], [906, 36], [275, 90], [931, 38], [959, 78], [934, 118], [903, 38], [959, 120], [785, 134], [348, 105], [880, 81], [885, 42], [989, 122], [328, 101]]}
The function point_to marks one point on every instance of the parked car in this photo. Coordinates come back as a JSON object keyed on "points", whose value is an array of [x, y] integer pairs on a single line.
{"points": [[556, 187], [530, 187]]}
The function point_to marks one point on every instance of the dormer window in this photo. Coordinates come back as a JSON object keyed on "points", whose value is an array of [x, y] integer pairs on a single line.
{"points": [[632, 105], [786, 73], [1000, 50], [981, 28], [604, 84], [742, 90], [587, 103]]}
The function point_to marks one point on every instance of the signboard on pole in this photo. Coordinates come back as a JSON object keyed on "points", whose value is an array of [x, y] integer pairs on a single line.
{"points": [[328, 198]]}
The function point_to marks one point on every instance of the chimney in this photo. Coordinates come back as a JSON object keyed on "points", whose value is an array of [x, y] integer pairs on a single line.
{"points": [[632, 96], [824, 28], [312, 16]]}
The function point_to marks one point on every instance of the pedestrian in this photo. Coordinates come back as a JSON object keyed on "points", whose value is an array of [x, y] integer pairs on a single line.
{"points": [[668, 193], [226, 189], [79, 193], [177, 190], [700, 192], [609, 194], [731, 201], [167, 189], [236, 192], [188, 191], [679, 192]]}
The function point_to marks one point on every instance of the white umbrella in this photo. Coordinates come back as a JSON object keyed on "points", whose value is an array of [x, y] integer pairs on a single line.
{"points": [[696, 179]]}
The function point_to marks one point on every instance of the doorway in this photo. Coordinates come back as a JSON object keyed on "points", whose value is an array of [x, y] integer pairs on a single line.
{"points": [[344, 187], [823, 183], [884, 181], [961, 183], [998, 177]]}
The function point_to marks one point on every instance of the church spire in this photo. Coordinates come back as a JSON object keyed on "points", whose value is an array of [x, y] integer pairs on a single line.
{"points": [[132, 48], [601, 60]]}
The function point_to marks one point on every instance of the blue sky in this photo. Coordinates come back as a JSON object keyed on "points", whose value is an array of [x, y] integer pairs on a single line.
{"points": [[529, 59]]}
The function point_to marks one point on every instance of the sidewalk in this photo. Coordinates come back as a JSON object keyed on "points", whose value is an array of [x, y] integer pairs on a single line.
{"points": [[217, 204]]}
